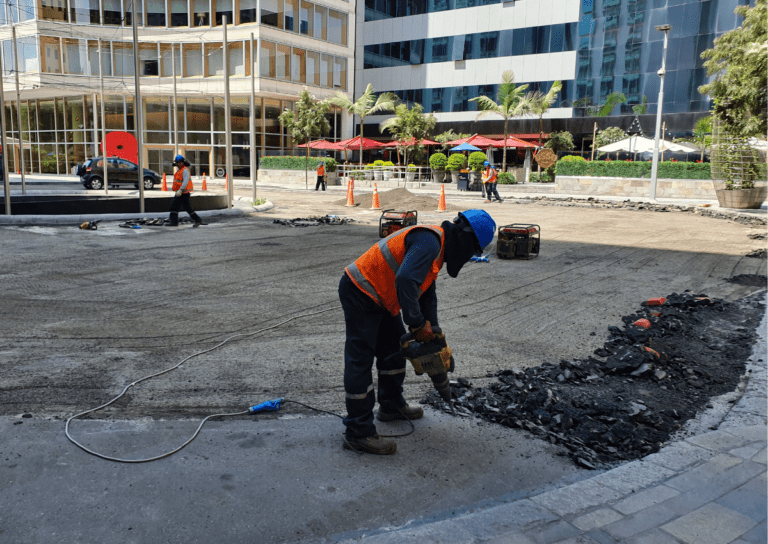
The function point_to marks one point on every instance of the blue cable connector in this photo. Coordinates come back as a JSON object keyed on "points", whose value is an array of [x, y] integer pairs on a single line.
{"points": [[266, 406]]}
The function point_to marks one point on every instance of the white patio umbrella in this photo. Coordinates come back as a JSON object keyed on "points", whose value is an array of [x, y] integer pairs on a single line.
{"points": [[639, 144]]}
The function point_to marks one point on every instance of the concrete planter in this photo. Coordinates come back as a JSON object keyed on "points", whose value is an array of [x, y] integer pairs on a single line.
{"points": [[438, 176], [743, 199], [332, 178], [455, 176], [634, 187]]}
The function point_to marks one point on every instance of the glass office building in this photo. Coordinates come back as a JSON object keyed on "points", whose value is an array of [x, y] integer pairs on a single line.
{"points": [[63, 46]]}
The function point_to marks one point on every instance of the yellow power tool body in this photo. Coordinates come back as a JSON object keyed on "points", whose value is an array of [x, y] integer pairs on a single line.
{"points": [[433, 358]]}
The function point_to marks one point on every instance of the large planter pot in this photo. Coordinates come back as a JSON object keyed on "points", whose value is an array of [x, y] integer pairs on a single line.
{"points": [[332, 178], [455, 176], [377, 175], [410, 176], [438, 176], [369, 175], [388, 175], [749, 199]]}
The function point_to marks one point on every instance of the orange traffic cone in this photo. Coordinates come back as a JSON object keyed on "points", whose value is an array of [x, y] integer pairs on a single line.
{"points": [[165, 185], [441, 201], [375, 202], [351, 193], [226, 182], [205, 185]]}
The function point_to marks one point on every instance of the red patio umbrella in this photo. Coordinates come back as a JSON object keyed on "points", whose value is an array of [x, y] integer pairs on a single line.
{"points": [[513, 142], [412, 141], [476, 140], [354, 143], [320, 144]]}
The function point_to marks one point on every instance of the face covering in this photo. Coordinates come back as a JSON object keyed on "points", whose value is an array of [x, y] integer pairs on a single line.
{"points": [[460, 246]]}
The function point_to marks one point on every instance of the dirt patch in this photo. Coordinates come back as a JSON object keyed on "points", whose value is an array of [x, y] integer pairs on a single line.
{"points": [[399, 199], [314, 221], [648, 379]]}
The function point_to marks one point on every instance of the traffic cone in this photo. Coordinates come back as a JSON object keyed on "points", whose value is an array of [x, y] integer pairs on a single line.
{"points": [[351, 193], [375, 202], [441, 201], [205, 185], [226, 182], [165, 185]]}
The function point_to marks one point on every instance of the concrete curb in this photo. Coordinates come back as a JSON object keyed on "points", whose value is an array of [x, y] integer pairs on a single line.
{"points": [[707, 488]]}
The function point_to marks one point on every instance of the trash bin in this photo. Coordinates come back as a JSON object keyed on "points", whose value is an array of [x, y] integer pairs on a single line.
{"points": [[463, 182]]}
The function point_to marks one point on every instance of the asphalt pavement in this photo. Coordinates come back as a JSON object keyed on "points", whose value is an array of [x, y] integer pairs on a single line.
{"points": [[74, 339]]}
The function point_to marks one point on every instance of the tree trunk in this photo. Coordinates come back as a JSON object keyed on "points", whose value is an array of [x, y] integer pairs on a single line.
{"points": [[362, 118], [541, 131], [306, 170], [504, 156]]}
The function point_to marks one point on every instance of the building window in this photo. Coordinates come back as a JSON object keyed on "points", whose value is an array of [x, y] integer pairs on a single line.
{"points": [[93, 58], [155, 12], [298, 65], [340, 73], [73, 62], [123, 55], [337, 27], [214, 56], [326, 70], [86, 12], [271, 13], [283, 62], [267, 59], [248, 11], [193, 60], [148, 61], [307, 18], [224, 8], [321, 22], [51, 10], [179, 13], [113, 12], [168, 61], [201, 13], [313, 68], [51, 56], [291, 15], [236, 59], [128, 7]]}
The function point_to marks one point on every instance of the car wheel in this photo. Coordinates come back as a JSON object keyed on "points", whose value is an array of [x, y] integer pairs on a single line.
{"points": [[148, 184], [96, 183]]}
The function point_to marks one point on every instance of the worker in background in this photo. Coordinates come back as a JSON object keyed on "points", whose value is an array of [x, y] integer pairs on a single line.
{"points": [[182, 187], [396, 276], [320, 176], [490, 177]]}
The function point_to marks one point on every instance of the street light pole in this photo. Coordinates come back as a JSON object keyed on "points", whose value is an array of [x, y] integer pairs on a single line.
{"points": [[137, 108], [655, 164]]}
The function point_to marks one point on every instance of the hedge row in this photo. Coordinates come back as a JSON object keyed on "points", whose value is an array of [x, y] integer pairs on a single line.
{"points": [[288, 163], [632, 169]]}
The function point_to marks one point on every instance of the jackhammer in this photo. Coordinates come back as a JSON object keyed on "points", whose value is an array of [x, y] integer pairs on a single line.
{"points": [[434, 358]]}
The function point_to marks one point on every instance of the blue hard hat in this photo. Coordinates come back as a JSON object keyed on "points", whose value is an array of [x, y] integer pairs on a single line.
{"points": [[178, 158], [483, 225], [486, 163]]}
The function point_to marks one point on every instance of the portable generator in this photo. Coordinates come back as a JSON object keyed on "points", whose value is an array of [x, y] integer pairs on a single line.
{"points": [[392, 221], [518, 241]]}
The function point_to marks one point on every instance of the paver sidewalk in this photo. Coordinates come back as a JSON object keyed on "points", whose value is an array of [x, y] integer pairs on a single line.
{"points": [[709, 488]]}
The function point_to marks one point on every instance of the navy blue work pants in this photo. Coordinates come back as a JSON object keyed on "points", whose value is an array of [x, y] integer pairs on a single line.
{"points": [[372, 333]]}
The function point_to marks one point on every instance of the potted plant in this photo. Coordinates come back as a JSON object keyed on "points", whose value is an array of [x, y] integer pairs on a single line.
{"points": [[331, 177], [438, 162], [389, 170], [456, 163], [738, 174], [410, 173], [476, 160], [378, 170], [369, 171]]}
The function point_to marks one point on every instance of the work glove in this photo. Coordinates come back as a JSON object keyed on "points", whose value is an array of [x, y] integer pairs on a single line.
{"points": [[178, 193], [423, 333], [433, 357]]}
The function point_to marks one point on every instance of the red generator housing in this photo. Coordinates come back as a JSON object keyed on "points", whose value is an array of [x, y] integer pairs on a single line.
{"points": [[392, 221], [518, 241]]}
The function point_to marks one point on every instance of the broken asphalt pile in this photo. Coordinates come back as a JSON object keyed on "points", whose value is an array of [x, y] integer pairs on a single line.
{"points": [[650, 377], [313, 221]]}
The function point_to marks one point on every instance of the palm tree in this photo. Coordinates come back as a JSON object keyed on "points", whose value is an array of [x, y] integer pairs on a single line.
{"points": [[367, 104], [509, 103], [537, 103]]}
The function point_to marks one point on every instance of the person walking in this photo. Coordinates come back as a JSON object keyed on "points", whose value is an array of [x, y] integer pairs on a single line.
{"points": [[490, 178], [394, 277], [320, 176], [182, 187]]}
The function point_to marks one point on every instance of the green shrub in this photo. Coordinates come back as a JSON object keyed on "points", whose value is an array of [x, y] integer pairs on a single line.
{"points": [[412, 168], [369, 167], [573, 158], [633, 169], [438, 161], [388, 163], [330, 164], [506, 178], [357, 174], [457, 161], [476, 160], [289, 163], [378, 163]]}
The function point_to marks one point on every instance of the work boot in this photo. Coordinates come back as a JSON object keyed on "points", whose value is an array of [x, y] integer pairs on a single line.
{"points": [[173, 220], [372, 444], [488, 201], [406, 412]]}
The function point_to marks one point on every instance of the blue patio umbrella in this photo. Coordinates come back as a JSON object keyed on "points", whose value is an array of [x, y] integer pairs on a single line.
{"points": [[465, 147]]}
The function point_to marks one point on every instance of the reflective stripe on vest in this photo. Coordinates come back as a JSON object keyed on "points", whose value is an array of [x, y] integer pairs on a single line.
{"points": [[375, 271], [178, 181]]}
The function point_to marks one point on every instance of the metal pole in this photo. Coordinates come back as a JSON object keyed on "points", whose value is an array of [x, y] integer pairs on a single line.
{"points": [[137, 107], [655, 164], [253, 118], [95, 124], [18, 107], [175, 105], [594, 137], [3, 148], [105, 159], [227, 119], [663, 134]]}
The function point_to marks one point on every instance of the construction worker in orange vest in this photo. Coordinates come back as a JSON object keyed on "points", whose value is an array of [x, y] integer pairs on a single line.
{"points": [[394, 277], [182, 187], [489, 181], [320, 176]]}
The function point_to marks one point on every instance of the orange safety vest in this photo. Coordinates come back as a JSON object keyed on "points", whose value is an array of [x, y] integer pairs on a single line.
{"points": [[321, 170], [178, 181], [374, 272], [493, 178]]}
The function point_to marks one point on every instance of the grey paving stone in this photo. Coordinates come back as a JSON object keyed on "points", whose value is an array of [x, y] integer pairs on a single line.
{"points": [[601, 537], [432, 533], [581, 539], [510, 538], [576, 497], [754, 433], [752, 404], [717, 440], [596, 519], [746, 452], [749, 499], [757, 534], [699, 476], [740, 418], [680, 455], [654, 536], [639, 522], [634, 476], [552, 532], [645, 499], [712, 523], [761, 456], [506, 518]]}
